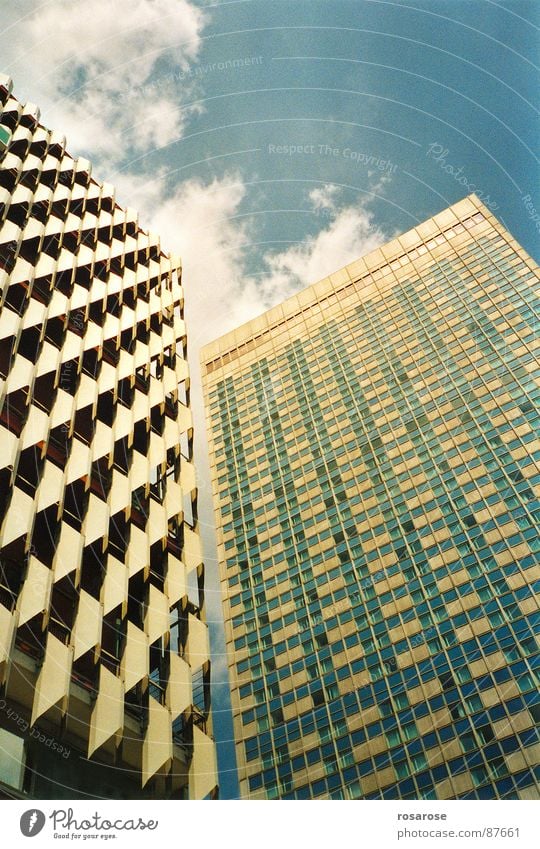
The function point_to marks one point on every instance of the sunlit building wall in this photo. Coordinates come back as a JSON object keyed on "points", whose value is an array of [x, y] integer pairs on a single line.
{"points": [[375, 474], [104, 660]]}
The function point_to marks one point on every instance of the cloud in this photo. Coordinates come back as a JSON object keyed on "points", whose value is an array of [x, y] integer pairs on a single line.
{"points": [[205, 224], [349, 233], [111, 80], [324, 197], [201, 222]]}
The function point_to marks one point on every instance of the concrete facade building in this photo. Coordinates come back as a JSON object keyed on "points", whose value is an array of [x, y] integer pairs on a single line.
{"points": [[104, 658], [375, 474]]}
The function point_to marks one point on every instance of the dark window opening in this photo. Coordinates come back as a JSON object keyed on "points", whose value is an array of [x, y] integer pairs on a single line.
{"points": [[30, 638], [30, 179], [54, 331], [96, 315], [84, 671], [159, 671], [111, 354], [59, 208], [175, 538], [143, 333], [158, 565], [76, 321], [136, 600], [277, 715], [113, 306], [11, 574], [70, 241], [29, 470], [51, 246], [128, 297], [139, 507], [58, 445], [157, 419], [29, 249], [6, 354], [447, 681], [84, 424], [112, 640], [469, 520], [179, 633], [104, 234], [68, 379], [63, 281], [101, 269], [122, 454], [42, 289], [8, 177], [141, 437], [5, 488], [157, 484], [82, 178], [105, 407], [117, 535], [101, 477], [90, 362], [44, 391], [39, 211], [49, 178], [117, 264], [62, 610], [126, 391], [75, 499], [18, 213], [16, 294], [15, 411], [29, 343], [128, 338], [76, 207], [92, 569], [143, 290], [134, 700]]}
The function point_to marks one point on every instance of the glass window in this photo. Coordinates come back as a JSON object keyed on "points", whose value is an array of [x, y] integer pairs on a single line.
{"points": [[12, 759]]}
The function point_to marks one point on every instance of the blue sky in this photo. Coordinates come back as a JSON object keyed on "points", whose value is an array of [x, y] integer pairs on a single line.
{"points": [[272, 142]]}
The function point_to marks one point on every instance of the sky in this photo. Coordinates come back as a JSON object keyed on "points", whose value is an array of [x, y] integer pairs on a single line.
{"points": [[271, 143]]}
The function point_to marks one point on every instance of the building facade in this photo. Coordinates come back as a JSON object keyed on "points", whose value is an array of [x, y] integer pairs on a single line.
{"points": [[374, 466], [104, 660]]}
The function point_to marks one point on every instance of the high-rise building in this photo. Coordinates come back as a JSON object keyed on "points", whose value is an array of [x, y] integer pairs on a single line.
{"points": [[104, 661], [373, 465]]}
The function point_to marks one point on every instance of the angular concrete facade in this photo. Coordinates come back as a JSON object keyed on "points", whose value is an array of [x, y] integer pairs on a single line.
{"points": [[104, 648], [375, 474]]}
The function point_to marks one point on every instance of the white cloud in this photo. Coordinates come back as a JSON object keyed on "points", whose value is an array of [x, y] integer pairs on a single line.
{"points": [[109, 76], [349, 234], [324, 197], [108, 81], [93, 36], [203, 222]]}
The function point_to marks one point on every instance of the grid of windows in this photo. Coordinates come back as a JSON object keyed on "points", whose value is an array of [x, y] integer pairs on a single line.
{"points": [[375, 466]]}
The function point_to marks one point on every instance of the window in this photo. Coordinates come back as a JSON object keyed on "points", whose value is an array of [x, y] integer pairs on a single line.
{"points": [[12, 760], [468, 743]]}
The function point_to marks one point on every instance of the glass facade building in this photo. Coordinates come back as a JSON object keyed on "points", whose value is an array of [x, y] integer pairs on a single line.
{"points": [[375, 474]]}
